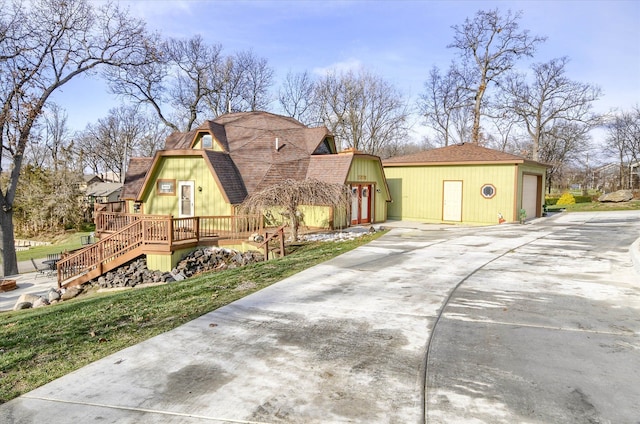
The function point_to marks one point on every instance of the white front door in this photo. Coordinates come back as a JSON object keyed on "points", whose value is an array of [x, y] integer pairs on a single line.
{"points": [[452, 201], [186, 192]]}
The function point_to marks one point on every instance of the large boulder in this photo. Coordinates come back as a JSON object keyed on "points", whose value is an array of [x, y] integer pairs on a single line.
{"points": [[616, 196]]}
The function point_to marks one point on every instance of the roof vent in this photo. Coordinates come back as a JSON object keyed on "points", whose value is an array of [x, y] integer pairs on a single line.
{"points": [[278, 144]]}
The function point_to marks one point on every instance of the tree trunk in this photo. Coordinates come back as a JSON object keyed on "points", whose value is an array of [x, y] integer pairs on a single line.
{"points": [[475, 132], [8, 254]]}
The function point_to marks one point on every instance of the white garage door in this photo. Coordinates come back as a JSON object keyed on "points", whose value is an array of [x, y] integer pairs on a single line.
{"points": [[530, 191]]}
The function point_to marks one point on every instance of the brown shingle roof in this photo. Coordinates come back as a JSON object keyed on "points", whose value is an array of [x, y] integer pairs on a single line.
{"points": [[253, 160], [179, 140], [134, 177], [227, 175], [332, 169], [251, 138], [466, 153]]}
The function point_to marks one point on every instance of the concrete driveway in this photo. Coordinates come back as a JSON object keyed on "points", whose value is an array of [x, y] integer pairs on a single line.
{"points": [[536, 323]]}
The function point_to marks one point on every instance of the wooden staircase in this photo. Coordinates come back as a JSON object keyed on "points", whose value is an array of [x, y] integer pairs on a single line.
{"points": [[132, 237]]}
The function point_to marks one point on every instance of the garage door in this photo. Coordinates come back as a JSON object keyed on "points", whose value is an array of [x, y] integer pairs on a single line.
{"points": [[530, 192]]}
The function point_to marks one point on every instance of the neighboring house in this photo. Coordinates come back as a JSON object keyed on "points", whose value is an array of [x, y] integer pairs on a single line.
{"points": [[87, 180], [98, 192], [464, 183], [103, 192]]}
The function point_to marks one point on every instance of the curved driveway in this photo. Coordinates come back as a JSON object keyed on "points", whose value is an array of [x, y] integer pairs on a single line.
{"points": [[536, 323]]}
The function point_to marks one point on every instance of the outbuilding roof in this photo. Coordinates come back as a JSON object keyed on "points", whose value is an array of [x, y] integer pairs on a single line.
{"points": [[464, 153]]}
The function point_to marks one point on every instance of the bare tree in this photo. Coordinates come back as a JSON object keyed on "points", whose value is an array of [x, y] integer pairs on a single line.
{"points": [[296, 97], [187, 81], [489, 46], [257, 78], [549, 100], [242, 82], [363, 111], [56, 137], [623, 140], [45, 44], [563, 143], [445, 105], [290, 194], [191, 68], [107, 145], [176, 81]]}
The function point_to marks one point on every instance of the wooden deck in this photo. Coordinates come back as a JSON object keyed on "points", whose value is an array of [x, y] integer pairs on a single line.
{"points": [[123, 237]]}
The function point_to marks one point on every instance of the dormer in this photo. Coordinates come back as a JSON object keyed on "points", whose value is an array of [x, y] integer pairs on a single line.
{"points": [[206, 141], [326, 147]]}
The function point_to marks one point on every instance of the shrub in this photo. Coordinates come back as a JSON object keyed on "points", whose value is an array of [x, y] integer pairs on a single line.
{"points": [[566, 199], [583, 199], [550, 201]]}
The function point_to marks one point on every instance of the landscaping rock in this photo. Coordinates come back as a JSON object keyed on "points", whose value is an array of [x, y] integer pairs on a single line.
{"points": [[40, 303], [30, 298], [53, 295], [617, 196], [71, 292], [201, 260], [213, 259], [22, 305]]}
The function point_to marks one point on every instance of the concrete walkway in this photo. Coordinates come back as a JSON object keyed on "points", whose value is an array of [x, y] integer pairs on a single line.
{"points": [[28, 282], [531, 323]]}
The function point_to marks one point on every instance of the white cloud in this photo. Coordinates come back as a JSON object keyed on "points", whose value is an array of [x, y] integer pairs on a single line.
{"points": [[339, 67]]}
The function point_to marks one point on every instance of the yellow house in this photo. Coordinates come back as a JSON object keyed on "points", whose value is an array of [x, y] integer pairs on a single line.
{"points": [[465, 183], [187, 194], [211, 170]]}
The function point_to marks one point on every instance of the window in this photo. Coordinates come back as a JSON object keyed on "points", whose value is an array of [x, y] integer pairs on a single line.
{"points": [[207, 141], [488, 191], [166, 187]]}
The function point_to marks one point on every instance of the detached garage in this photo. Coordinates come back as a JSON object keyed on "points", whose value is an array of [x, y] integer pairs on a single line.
{"points": [[464, 183]]}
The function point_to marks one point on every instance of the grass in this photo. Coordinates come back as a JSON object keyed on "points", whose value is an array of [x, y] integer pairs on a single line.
{"points": [[597, 206], [40, 345], [66, 242]]}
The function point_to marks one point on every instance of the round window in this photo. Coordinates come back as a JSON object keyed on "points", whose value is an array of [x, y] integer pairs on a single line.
{"points": [[488, 191]]}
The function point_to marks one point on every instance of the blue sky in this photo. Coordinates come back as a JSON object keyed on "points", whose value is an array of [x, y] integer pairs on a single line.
{"points": [[399, 40]]}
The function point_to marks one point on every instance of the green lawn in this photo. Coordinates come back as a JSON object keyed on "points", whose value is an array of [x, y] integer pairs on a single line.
{"points": [[40, 345], [66, 242], [597, 206]]}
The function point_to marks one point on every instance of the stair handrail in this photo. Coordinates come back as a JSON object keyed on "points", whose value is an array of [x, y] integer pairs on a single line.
{"points": [[130, 243]]}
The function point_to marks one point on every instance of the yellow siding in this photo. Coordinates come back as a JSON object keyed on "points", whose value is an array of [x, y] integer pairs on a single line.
{"points": [[369, 171], [159, 262], [317, 216], [417, 192], [208, 202]]}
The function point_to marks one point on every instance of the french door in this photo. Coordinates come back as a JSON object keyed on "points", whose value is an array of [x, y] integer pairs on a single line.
{"points": [[360, 203]]}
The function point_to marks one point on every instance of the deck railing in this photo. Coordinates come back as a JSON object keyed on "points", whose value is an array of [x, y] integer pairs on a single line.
{"points": [[111, 222], [131, 231]]}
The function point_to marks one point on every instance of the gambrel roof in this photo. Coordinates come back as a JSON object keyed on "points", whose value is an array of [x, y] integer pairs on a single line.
{"points": [[133, 180], [253, 150]]}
